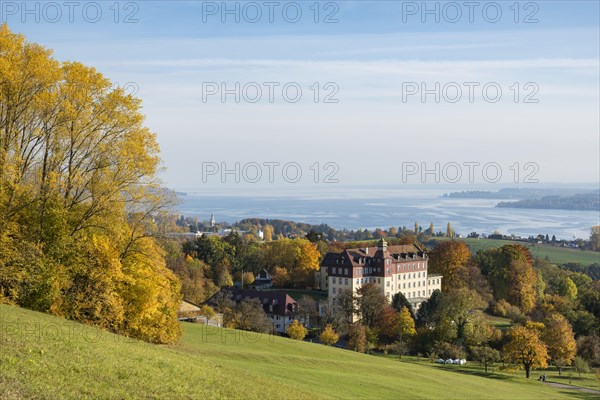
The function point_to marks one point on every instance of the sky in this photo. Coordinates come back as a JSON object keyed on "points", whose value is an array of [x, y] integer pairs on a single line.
{"points": [[271, 94]]}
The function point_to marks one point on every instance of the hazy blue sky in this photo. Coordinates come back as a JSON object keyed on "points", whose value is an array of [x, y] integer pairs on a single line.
{"points": [[373, 57]]}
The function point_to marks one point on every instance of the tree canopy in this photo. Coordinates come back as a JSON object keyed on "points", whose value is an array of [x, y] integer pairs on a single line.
{"points": [[78, 193]]}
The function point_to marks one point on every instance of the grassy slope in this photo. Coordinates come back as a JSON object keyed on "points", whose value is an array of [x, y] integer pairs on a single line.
{"points": [[557, 255], [49, 358]]}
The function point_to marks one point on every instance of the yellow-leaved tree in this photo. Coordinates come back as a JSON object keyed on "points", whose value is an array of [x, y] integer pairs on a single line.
{"points": [[78, 194], [525, 349]]}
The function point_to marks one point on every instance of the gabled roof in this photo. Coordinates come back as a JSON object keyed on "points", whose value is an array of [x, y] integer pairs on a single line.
{"points": [[281, 301], [353, 257]]}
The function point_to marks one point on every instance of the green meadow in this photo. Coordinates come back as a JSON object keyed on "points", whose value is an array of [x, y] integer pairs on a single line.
{"points": [[45, 357], [556, 254]]}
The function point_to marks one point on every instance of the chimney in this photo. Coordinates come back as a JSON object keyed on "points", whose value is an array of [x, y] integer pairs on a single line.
{"points": [[366, 250]]}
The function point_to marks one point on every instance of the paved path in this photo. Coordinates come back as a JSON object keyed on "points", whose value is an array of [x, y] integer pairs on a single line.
{"points": [[571, 387]]}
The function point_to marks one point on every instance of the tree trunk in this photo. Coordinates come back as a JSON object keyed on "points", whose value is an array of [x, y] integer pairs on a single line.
{"points": [[527, 370]]}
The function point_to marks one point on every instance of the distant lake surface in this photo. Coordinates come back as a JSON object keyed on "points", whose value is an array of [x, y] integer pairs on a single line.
{"points": [[372, 208]]}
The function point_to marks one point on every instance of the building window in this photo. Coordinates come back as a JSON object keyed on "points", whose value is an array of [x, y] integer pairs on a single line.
{"points": [[404, 286], [333, 280], [346, 281], [419, 293], [387, 284], [357, 282], [333, 290]]}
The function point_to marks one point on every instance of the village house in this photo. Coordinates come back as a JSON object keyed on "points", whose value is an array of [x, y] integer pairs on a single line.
{"points": [[393, 269], [188, 311], [263, 280], [279, 306]]}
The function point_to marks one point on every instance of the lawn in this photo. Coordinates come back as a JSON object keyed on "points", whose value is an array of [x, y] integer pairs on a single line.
{"points": [[45, 357], [498, 322], [556, 255]]}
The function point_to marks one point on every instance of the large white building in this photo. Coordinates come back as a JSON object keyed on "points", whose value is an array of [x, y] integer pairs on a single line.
{"points": [[394, 269]]}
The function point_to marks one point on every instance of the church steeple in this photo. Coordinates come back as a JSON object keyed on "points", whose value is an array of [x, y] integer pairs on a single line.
{"points": [[382, 245], [213, 222]]}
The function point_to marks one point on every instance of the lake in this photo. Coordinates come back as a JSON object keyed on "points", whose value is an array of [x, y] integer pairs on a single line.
{"points": [[377, 207]]}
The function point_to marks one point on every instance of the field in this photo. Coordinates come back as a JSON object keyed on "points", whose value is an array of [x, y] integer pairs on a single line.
{"points": [[557, 255], [44, 357]]}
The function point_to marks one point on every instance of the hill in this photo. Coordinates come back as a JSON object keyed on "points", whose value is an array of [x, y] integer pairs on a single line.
{"points": [[45, 357], [581, 201], [556, 255]]}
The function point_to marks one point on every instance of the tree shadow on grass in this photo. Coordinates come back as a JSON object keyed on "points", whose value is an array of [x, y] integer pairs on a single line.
{"points": [[578, 394], [483, 374]]}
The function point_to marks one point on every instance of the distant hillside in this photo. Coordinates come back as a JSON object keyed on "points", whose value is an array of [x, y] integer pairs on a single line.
{"points": [[511, 193], [582, 202], [44, 357]]}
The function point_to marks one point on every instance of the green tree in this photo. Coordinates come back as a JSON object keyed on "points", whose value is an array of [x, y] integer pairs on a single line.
{"points": [[581, 366], [486, 356], [568, 289], [399, 301], [461, 307]]}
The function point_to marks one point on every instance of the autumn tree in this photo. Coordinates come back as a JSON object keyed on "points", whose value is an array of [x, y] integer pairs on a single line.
{"points": [[431, 229], [502, 265], [405, 325], [525, 349], [560, 340], [522, 281], [328, 336], [281, 277], [296, 330], [207, 312], [357, 338], [385, 323], [268, 233], [447, 258], [588, 347], [449, 230], [79, 194]]}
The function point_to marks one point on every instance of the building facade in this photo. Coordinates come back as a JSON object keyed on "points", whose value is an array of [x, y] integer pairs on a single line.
{"points": [[393, 269], [279, 306]]}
